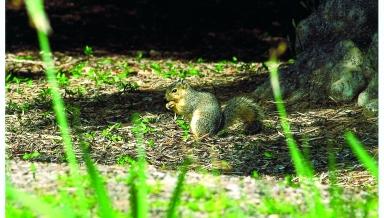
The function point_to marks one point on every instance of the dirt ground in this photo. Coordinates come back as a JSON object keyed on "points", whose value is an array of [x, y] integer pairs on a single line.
{"points": [[105, 112], [319, 130]]}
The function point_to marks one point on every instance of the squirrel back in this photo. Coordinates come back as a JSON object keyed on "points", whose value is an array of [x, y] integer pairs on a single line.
{"points": [[204, 111]]}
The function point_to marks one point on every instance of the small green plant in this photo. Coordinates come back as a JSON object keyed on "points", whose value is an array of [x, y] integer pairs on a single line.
{"points": [[62, 79], [101, 77], [255, 174], [78, 91], [10, 78], [109, 133], [44, 95], [20, 108], [124, 160], [170, 70], [219, 67], [190, 71], [151, 143], [141, 124], [88, 50], [89, 136], [31, 156], [185, 127], [13, 79], [126, 70], [127, 86], [156, 68], [24, 57], [78, 69]]}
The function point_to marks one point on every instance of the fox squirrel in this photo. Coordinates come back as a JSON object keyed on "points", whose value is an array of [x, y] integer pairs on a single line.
{"points": [[204, 112]]}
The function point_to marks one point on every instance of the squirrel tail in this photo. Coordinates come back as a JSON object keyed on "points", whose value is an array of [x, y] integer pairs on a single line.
{"points": [[245, 110]]}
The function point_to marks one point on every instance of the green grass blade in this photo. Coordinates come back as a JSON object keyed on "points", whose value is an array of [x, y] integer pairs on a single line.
{"points": [[103, 200], [369, 163], [176, 195], [132, 180], [335, 191], [298, 160], [142, 207], [302, 166], [137, 180], [36, 205], [35, 10], [138, 190], [58, 104]]}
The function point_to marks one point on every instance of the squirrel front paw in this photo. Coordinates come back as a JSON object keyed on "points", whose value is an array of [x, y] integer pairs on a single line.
{"points": [[170, 105]]}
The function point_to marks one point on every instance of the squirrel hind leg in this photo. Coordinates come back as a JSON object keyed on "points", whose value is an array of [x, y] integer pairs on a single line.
{"points": [[200, 129]]}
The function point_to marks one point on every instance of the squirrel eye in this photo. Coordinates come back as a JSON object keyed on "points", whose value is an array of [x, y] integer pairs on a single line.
{"points": [[174, 90]]}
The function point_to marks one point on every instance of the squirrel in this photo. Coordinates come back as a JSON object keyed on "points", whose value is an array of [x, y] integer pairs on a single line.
{"points": [[204, 112]]}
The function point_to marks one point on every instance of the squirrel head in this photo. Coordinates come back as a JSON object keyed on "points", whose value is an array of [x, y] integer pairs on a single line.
{"points": [[177, 91]]}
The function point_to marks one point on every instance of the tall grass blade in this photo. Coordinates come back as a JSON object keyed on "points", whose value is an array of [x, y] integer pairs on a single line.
{"points": [[298, 160], [105, 207], [138, 190], [36, 205], [176, 195], [302, 167], [369, 163], [137, 180], [103, 200], [141, 188], [335, 191], [36, 11]]}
